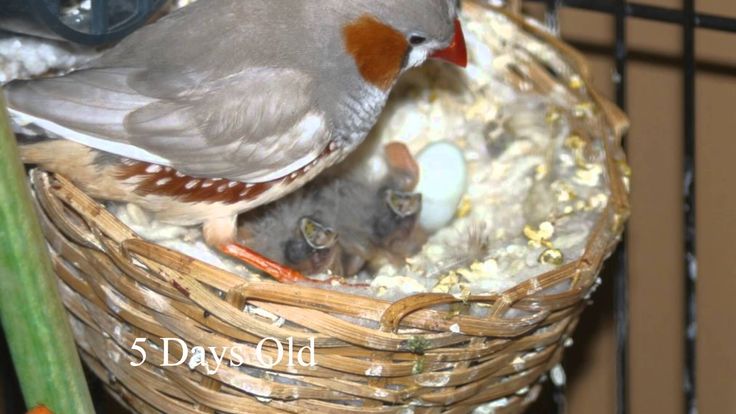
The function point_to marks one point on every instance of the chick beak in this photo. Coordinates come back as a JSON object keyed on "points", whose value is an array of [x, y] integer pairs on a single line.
{"points": [[457, 52], [319, 237], [404, 204]]}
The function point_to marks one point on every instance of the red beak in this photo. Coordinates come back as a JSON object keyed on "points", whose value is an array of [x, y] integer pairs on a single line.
{"points": [[456, 53]]}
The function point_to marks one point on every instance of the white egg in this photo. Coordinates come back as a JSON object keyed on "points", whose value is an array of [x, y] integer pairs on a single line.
{"points": [[442, 182]]}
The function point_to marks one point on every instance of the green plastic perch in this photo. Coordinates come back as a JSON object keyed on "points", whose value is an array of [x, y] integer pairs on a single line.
{"points": [[35, 324]]}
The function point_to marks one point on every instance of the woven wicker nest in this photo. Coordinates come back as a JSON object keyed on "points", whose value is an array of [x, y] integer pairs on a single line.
{"points": [[118, 287]]}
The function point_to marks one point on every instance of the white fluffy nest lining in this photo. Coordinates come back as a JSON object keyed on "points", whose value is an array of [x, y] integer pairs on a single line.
{"points": [[525, 197], [535, 183]]}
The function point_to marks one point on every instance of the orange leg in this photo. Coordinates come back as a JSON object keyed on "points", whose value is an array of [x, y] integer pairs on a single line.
{"points": [[275, 270]]}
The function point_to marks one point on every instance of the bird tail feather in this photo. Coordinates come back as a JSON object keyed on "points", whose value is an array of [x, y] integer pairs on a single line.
{"points": [[88, 107]]}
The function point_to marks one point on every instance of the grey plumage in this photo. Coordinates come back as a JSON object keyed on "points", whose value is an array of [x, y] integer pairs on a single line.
{"points": [[370, 218], [344, 205], [214, 92], [258, 96]]}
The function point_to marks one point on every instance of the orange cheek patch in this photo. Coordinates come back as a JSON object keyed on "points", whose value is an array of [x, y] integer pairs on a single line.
{"points": [[378, 50]]}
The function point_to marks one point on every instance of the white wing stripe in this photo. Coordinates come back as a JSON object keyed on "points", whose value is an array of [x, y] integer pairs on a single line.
{"points": [[125, 150]]}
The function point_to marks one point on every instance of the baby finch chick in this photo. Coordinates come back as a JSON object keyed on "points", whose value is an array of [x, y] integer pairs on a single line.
{"points": [[285, 234], [338, 224], [389, 233]]}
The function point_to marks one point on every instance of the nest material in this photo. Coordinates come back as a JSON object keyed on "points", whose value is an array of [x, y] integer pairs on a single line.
{"points": [[421, 354]]}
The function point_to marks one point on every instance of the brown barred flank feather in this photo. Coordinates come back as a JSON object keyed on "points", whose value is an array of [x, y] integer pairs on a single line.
{"points": [[165, 181]]}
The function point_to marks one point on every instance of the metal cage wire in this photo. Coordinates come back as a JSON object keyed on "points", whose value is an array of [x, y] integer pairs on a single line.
{"points": [[690, 21]]}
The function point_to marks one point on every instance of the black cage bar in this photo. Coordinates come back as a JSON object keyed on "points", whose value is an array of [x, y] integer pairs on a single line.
{"points": [[689, 20]]}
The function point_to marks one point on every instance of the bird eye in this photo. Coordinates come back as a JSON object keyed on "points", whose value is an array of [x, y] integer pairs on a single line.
{"points": [[417, 40]]}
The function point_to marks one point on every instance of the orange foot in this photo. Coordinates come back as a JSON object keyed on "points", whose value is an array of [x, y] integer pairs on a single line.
{"points": [[276, 270]]}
